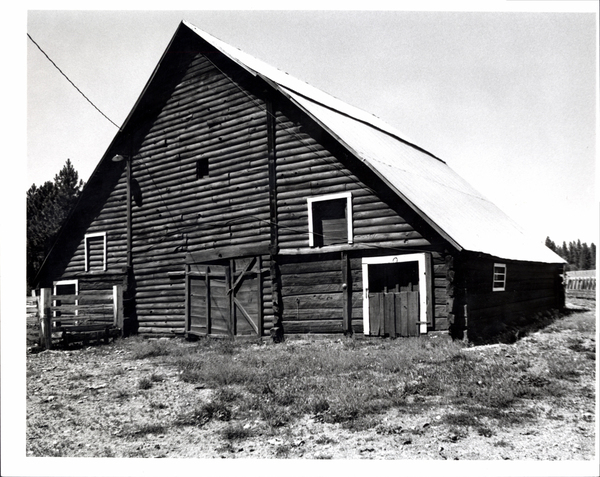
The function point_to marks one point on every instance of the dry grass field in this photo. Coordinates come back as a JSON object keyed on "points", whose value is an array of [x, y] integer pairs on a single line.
{"points": [[321, 398]]}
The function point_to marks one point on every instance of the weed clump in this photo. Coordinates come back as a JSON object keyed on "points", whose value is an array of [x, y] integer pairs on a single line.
{"points": [[236, 432], [200, 415]]}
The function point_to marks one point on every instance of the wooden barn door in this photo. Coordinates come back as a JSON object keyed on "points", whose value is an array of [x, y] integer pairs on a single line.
{"points": [[209, 310], [393, 299], [225, 299], [246, 296]]}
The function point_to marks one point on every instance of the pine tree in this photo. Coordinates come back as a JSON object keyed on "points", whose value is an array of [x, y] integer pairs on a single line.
{"points": [[550, 244], [584, 257], [47, 208], [593, 256], [564, 251], [572, 254]]}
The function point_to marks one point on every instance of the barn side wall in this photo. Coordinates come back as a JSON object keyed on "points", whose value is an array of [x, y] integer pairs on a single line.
{"points": [[531, 288]]}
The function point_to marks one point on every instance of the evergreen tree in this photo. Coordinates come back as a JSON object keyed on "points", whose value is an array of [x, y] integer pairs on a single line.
{"points": [[584, 257], [571, 255], [550, 244], [564, 251], [47, 208], [579, 256]]}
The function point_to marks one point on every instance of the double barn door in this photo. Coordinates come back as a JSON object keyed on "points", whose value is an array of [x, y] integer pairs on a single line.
{"points": [[225, 299]]}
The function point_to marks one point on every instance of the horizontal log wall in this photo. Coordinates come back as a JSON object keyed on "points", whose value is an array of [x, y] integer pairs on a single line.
{"points": [[306, 168], [110, 219], [197, 111], [530, 288], [199, 114], [312, 294], [206, 118], [382, 225]]}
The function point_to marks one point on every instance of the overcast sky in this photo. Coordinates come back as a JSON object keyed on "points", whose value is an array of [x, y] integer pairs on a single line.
{"points": [[507, 99]]}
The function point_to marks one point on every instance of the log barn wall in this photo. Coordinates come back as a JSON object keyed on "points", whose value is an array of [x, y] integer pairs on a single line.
{"points": [[103, 215], [206, 119], [530, 288], [208, 124], [310, 163]]}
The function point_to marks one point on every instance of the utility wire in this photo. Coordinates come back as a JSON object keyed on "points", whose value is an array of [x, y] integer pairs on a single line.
{"points": [[80, 92]]}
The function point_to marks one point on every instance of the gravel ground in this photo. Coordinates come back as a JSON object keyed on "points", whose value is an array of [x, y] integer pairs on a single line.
{"points": [[88, 403]]}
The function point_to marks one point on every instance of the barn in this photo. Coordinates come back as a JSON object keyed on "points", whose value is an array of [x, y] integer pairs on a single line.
{"points": [[237, 200]]}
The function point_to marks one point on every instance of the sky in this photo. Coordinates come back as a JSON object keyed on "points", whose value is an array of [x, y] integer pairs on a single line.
{"points": [[506, 99]]}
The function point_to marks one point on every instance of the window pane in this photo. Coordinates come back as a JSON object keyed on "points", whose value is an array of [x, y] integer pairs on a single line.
{"points": [[499, 279]]}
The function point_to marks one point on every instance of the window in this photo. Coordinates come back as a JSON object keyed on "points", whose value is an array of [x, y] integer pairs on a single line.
{"points": [[330, 219], [499, 283], [95, 252], [201, 168]]}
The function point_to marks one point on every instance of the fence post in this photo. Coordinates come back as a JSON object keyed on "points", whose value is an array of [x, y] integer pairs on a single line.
{"points": [[118, 307], [45, 314]]}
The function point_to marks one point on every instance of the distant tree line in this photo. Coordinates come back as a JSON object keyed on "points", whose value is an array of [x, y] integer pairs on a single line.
{"points": [[579, 255], [47, 208]]}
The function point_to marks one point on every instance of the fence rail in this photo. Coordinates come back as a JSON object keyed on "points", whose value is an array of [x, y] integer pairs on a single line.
{"points": [[81, 317], [581, 284], [32, 321]]}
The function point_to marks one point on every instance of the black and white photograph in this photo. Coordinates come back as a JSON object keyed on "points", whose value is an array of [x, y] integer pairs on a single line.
{"points": [[318, 240]]}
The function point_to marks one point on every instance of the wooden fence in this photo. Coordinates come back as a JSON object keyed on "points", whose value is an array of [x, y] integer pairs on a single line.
{"points": [[79, 318], [32, 321], [581, 284]]}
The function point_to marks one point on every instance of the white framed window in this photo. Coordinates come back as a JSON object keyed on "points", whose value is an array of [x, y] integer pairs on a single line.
{"points": [[330, 219], [499, 279], [95, 252]]}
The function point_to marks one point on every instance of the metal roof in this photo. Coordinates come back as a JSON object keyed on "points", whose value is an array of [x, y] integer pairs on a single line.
{"points": [[453, 207]]}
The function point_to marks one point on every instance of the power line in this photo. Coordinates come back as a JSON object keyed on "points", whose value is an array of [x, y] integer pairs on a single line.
{"points": [[80, 92]]}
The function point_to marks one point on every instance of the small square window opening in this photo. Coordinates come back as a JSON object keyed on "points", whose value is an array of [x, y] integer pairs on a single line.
{"points": [[201, 168]]}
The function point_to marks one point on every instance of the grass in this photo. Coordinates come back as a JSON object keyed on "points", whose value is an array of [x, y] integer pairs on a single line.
{"points": [[247, 389], [352, 381]]}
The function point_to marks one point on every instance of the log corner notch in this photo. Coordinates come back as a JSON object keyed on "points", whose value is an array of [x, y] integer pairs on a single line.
{"points": [[455, 296], [276, 332]]}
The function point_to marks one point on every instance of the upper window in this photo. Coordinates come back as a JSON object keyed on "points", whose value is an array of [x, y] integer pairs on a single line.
{"points": [[95, 252], [201, 168], [499, 283], [330, 219]]}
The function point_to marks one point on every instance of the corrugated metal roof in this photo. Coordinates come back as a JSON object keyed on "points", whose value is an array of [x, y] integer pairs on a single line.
{"points": [[451, 205]]}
